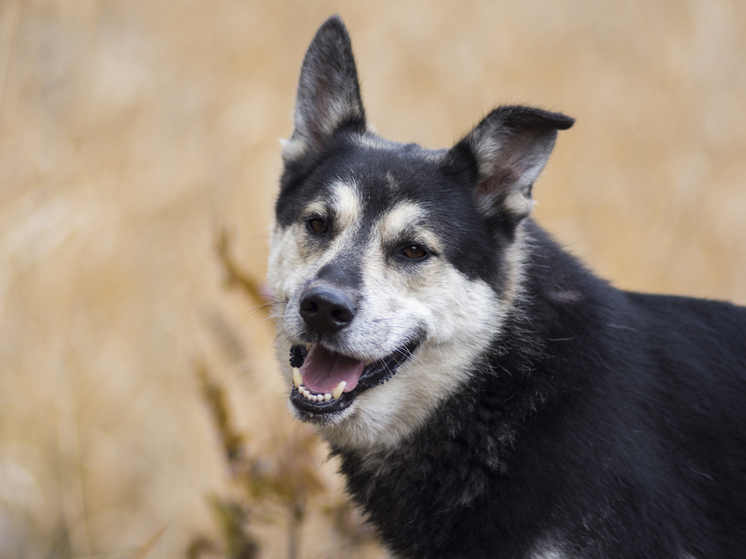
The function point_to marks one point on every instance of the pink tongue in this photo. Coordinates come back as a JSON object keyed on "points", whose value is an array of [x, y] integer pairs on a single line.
{"points": [[323, 370]]}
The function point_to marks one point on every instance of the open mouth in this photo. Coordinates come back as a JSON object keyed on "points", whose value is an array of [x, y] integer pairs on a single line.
{"points": [[326, 382]]}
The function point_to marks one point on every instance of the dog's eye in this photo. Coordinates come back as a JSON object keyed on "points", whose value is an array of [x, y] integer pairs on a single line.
{"points": [[317, 225], [414, 252]]}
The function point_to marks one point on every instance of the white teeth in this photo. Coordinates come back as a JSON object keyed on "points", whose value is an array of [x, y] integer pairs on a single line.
{"points": [[337, 392], [310, 396]]}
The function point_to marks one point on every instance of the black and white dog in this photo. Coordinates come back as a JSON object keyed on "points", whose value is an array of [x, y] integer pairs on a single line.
{"points": [[489, 396]]}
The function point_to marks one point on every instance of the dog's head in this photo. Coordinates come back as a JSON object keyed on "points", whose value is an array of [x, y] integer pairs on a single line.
{"points": [[393, 266]]}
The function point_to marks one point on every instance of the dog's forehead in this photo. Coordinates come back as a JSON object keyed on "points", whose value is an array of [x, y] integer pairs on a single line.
{"points": [[374, 175], [392, 217], [368, 175]]}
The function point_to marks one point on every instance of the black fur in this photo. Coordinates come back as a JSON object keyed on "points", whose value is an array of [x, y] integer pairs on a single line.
{"points": [[613, 422], [602, 423]]}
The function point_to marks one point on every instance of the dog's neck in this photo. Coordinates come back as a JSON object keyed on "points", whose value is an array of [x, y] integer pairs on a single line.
{"points": [[465, 452]]}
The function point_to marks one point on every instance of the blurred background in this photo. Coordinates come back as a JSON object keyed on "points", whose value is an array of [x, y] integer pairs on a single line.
{"points": [[139, 399]]}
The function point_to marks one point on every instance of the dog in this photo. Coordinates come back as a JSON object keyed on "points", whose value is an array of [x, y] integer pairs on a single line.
{"points": [[487, 395]]}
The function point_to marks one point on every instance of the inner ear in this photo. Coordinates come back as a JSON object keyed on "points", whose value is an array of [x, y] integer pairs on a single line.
{"points": [[328, 92], [508, 166], [510, 148]]}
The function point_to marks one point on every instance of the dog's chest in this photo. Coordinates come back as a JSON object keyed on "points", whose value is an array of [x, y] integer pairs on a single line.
{"points": [[446, 504], [413, 493]]}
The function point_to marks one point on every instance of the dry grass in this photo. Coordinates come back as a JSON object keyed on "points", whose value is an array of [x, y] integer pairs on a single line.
{"points": [[132, 132]]}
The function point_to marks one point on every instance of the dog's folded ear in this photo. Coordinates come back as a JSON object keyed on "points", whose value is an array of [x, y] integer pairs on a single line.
{"points": [[509, 148], [328, 92]]}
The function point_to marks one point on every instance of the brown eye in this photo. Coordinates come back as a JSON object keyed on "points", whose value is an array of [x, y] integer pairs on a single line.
{"points": [[414, 251], [317, 225]]}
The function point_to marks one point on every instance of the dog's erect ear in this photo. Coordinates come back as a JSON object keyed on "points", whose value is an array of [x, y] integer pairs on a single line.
{"points": [[510, 147], [328, 92]]}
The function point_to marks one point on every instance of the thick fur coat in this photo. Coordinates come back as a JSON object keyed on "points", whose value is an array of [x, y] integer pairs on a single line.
{"points": [[487, 395]]}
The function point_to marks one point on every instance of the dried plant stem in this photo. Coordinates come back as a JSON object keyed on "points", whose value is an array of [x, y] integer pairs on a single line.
{"points": [[297, 515], [71, 476], [237, 276]]}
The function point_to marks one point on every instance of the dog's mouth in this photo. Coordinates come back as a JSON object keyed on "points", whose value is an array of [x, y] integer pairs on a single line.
{"points": [[326, 382]]}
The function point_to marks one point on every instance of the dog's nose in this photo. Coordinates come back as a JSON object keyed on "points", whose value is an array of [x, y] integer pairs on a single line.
{"points": [[326, 309]]}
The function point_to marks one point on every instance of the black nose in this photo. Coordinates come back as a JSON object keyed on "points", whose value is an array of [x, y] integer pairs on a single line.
{"points": [[326, 309]]}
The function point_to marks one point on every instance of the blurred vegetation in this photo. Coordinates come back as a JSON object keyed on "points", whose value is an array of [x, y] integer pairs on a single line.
{"points": [[275, 483], [130, 131], [272, 485]]}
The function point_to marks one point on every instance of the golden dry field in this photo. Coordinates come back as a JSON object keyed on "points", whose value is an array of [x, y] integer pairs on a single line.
{"points": [[134, 132]]}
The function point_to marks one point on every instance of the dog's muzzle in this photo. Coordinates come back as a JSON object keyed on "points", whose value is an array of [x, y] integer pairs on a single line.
{"points": [[325, 381]]}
